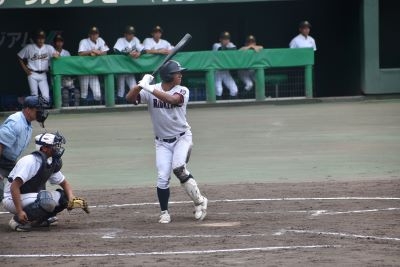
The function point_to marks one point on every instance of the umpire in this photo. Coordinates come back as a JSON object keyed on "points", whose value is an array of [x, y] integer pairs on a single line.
{"points": [[16, 133]]}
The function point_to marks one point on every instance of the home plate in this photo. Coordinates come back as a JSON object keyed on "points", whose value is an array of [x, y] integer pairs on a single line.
{"points": [[220, 224]]}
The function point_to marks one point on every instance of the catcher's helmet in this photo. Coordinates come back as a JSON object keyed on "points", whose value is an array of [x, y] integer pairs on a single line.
{"points": [[169, 68], [55, 141]]}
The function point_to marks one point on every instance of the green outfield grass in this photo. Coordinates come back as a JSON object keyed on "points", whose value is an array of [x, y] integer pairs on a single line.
{"points": [[238, 144]]}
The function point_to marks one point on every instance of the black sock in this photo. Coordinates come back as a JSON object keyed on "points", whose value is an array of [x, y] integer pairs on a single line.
{"points": [[163, 198]]}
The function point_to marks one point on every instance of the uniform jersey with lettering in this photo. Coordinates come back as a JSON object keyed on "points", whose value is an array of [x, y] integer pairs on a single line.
{"points": [[151, 44], [88, 45], [301, 41], [168, 120], [37, 57], [124, 46]]}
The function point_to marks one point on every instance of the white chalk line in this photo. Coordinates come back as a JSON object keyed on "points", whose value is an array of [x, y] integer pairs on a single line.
{"points": [[251, 200], [113, 235], [170, 252], [284, 231]]}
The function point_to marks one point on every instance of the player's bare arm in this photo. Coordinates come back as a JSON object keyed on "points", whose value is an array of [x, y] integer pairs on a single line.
{"points": [[67, 189], [16, 196], [133, 93]]}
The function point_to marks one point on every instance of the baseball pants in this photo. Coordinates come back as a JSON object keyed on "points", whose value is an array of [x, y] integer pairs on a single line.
{"points": [[38, 81], [27, 199], [94, 83], [223, 76], [247, 77], [170, 156], [122, 79]]}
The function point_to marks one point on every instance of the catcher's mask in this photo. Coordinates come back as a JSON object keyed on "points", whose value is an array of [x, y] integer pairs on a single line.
{"points": [[54, 141], [39, 103]]}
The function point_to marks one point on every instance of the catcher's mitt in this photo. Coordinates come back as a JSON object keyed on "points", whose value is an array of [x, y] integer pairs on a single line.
{"points": [[78, 203]]}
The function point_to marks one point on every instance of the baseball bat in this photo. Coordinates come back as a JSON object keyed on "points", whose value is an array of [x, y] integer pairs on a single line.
{"points": [[185, 39]]}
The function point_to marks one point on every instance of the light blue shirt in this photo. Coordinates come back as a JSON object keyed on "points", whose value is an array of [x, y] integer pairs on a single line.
{"points": [[15, 135]]}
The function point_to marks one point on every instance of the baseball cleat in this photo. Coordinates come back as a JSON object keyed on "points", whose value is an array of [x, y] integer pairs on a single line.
{"points": [[200, 211], [52, 221], [165, 217], [19, 227]]}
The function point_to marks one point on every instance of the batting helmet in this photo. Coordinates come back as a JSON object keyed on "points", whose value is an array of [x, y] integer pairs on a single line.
{"points": [[169, 68], [55, 141]]}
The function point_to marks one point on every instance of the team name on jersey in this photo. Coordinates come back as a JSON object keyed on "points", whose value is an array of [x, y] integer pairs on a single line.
{"points": [[39, 57], [160, 104]]}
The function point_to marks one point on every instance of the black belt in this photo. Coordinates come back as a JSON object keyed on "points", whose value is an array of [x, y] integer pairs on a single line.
{"points": [[170, 140], [38, 71]]}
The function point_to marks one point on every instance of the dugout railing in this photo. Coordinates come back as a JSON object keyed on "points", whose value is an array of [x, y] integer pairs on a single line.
{"points": [[204, 61]]}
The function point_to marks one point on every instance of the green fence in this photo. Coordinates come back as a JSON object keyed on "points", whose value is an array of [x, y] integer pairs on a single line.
{"points": [[205, 61]]}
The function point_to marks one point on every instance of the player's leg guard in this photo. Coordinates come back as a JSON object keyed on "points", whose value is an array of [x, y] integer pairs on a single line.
{"points": [[42, 208], [77, 96], [62, 202], [65, 97], [200, 202]]}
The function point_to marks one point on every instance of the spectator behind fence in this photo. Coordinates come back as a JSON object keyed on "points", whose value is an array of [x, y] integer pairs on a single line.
{"points": [[128, 45], [156, 45], [224, 76], [93, 46], [248, 76], [68, 91], [34, 60], [304, 39], [16, 133]]}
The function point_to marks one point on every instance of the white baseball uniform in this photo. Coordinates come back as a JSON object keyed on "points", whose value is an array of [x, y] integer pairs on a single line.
{"points": [[124, 46], [248, 78], [151, 44], [92, 80], [169, 122], [38, 59], [26, 168], [224, 76], [301, 41]]}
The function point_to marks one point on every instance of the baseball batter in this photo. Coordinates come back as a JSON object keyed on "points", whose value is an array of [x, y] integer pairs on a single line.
{"points": [[224, 76], [94, 45], [166, 102], [34, 60], [303, 40], [128, 45], [156, 45]]}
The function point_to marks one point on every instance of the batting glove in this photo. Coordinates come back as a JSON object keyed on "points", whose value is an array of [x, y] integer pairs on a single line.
{"points": [[147, 87], [147, 79]]}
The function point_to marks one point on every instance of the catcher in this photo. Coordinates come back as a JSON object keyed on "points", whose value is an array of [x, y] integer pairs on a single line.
{"points": [[25, 193]]}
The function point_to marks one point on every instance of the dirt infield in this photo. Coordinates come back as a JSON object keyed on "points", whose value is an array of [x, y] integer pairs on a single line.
{"points": [[260, 224]]}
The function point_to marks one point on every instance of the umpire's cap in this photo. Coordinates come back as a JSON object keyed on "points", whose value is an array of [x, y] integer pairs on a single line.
{"points": [[225, 35], [32, 102], [129, 30], [157, 29], [304, 24]]}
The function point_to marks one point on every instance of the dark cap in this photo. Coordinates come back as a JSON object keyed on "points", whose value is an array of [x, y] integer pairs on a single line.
{"points": [[157, 29], [225, 35], [40, 34], [305, 24], [130, 30], [250, 39], [31, 102], [94, 29], [58, 37]]}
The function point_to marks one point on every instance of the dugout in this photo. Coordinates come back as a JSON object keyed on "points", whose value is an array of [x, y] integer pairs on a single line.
{"points": [[356, 39]]}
